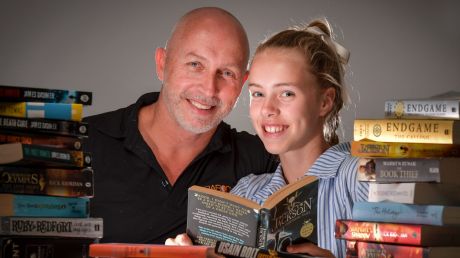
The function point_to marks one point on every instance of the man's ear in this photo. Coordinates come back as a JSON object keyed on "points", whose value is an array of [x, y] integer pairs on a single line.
{"points": [[327, 101], [160, 58]]}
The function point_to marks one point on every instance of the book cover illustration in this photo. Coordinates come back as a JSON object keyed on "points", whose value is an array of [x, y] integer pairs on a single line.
{"points": [[395, 170], [43, 206], [57, 111], [403, 150], [52, 227], [407, 130], [30, 94], [287, 217], [47, 181], [409, 234], [43, 126]]}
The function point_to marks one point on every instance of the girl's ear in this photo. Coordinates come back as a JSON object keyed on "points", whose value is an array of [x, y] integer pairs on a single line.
{"points": [[327, 101]]}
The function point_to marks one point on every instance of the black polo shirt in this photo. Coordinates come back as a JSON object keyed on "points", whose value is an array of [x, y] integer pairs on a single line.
{"points": [[132, 193]]}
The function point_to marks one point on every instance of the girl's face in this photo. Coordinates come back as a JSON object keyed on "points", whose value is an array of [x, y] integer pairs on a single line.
{"points": [[287, 107]]}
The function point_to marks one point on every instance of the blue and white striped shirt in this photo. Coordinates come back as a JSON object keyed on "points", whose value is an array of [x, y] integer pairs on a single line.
{"points": [[338, 190]]}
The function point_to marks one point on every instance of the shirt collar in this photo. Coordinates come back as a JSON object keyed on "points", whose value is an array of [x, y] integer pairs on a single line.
{"points": [[124, 126], [333, 157]]}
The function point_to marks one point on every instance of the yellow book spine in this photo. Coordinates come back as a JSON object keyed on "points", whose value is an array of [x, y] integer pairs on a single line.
{"points": [[14, 110], [403, 150], [77, 112], [402, 130]]}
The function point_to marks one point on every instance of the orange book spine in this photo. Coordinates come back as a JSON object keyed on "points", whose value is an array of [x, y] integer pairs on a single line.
{"points": [[147, 250]]}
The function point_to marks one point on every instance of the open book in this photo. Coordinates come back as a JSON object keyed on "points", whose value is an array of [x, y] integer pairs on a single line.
{"points": [[287, 217]]}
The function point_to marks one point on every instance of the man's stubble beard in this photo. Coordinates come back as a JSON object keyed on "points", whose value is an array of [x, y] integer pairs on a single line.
{"points": [[173, 104]]}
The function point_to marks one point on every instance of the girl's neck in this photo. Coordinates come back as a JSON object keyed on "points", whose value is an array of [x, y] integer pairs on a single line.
{"points": [[297, 162]]}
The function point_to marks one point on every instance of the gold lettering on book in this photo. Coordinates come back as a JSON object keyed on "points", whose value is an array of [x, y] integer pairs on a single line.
{"points": [[295, 209], [412, 127], [374, 148], [19, 178]]}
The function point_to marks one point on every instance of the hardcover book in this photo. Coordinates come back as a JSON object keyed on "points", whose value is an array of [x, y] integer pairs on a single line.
{"points": [[437, 215], [63, 142], [47, 181], [30, 94], [148, 250], [403, 150], [243, 251], [44, 126], [52, 227], [287, 217], [405, 130], [405, 234], [394, 170], [36, 247], [57, 111], [423, 109], [38, 155], [368, 250], [43, 206], [415, 193]]}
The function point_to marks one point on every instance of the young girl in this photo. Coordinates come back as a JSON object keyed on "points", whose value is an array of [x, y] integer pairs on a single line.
{"points": [[296, 87]]}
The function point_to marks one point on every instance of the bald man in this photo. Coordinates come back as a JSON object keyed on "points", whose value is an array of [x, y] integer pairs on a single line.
{"points": [[146, 155]]}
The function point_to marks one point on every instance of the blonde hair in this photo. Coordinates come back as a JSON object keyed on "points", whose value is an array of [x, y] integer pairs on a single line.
{"points": [[326, 58]]}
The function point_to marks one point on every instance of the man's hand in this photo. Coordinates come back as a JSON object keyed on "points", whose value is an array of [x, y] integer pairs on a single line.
{"points": [[310, 249], [181, 239]]}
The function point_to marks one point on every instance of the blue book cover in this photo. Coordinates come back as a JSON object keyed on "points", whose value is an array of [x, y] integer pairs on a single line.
{"points": [[43, 206], [57, 111], [406, 213]]}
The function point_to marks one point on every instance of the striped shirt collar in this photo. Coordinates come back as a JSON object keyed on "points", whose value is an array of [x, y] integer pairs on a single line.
{"points": [[326, 165]]}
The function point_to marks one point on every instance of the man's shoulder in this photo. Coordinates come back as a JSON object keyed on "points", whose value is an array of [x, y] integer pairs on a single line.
{"points": [[241, 136]]}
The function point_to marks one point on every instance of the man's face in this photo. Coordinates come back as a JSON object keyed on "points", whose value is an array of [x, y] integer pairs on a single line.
{"points": [[202, 78]]}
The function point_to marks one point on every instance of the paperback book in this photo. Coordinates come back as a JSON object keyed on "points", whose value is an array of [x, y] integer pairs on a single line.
{"points": [[29, 154], [423, 109], [367, 250], [403, 149], [287, 217], [43, 126], [243, 251], [405, 130], [52, 227], [31, 94], [126, 250], [395, 170], [44, 247], [47, 181], [397, 233], [415, 193], [57, 111], [56, 141], [437, 215], [43, 206]]}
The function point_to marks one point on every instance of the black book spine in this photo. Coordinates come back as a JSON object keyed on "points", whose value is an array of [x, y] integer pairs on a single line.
{"points": [[28, 94], [44, 126]]}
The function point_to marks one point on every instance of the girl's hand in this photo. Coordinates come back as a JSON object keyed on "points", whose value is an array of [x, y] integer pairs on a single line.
{"points": [[181, 239], [310, 249]]}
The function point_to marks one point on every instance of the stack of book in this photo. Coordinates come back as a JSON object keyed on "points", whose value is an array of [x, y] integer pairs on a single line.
{"points": [[411, 159], [46, 180]]}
